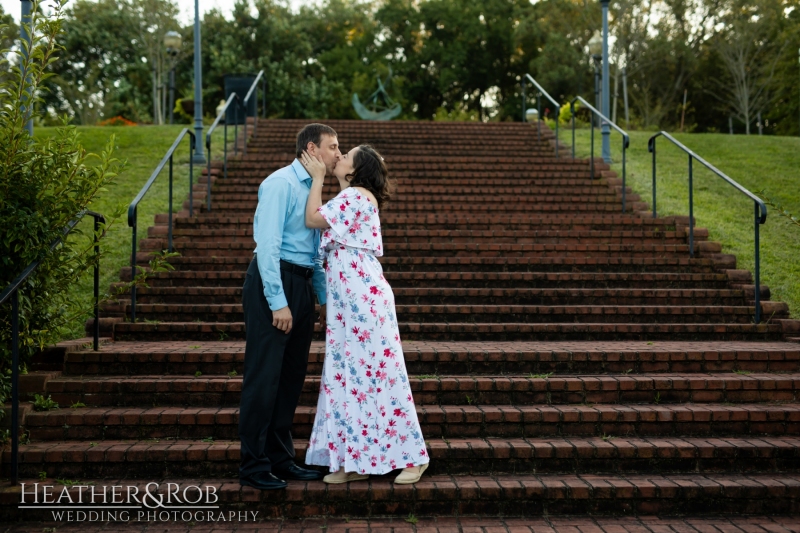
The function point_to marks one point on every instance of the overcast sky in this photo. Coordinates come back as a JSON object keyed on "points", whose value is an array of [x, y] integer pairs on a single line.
{"points": [[186, 7]]}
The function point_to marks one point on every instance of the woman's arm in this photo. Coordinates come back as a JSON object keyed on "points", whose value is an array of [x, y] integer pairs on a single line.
{"points": [[316, 168]]}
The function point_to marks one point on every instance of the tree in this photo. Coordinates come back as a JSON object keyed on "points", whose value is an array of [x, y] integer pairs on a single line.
{"points": [[749, 49], [44, 184]]}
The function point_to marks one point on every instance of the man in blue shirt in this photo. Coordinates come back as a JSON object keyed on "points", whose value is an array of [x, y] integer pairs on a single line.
{"points": [[279, 316]]}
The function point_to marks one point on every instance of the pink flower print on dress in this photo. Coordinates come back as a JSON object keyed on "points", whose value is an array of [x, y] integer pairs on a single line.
{"points": [[368, 408]]}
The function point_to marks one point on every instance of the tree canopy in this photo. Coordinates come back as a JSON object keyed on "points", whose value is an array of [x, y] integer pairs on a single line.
{"points": [[732, 58]]}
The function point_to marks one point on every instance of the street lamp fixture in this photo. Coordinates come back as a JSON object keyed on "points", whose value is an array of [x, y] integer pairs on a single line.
{"points": [[596, 45], [172, 41]]}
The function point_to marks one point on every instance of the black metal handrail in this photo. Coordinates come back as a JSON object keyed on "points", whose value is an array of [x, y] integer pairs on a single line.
{"points": [[539, 94], [246, 101], [760, 209], [626, 140], [12, 291], [132, 211], [223, 113]]}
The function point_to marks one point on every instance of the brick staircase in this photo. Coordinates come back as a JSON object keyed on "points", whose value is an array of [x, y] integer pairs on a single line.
{"points": [[566, 358]]}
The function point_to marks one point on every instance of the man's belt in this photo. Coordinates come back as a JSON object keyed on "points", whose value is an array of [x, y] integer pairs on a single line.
{"points": [[306, 272]]}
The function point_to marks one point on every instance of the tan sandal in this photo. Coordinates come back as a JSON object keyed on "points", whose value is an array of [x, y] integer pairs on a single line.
{"points": [[410, 475], [343, 477]]}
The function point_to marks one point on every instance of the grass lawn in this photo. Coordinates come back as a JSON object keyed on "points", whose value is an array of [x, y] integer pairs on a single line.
{"points": [[767, 163], [142, 148]]}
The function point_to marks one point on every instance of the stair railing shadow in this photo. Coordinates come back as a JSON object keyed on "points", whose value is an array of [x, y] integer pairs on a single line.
{"points": [[12, 292], [759, 208], [539, 93], [132, 208], [626, 140]]}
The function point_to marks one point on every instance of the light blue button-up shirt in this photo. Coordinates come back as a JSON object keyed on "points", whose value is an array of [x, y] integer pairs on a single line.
{"points": [[280, 232]]}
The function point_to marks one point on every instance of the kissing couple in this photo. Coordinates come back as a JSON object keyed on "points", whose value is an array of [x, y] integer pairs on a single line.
{"points": [[365, 420]]}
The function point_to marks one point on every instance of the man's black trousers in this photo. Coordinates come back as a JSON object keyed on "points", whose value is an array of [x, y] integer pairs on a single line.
{"points": [[274, 371]]}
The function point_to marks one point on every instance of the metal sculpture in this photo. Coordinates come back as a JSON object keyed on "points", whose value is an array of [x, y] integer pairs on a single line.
{"points": [[373, 109]]}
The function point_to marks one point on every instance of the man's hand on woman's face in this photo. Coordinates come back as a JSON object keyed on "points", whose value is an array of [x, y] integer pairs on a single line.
{"points": [[314, 165]]}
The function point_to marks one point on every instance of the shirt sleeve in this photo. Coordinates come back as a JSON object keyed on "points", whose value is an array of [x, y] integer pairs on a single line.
{"points": [[270, 218]]}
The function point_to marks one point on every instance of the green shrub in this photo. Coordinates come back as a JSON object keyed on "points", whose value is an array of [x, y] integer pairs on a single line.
{"points": [[40, 403], [43, 185]]}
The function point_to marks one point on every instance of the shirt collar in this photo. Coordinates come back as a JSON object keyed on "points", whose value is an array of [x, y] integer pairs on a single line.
{"points": [[300, 171]]}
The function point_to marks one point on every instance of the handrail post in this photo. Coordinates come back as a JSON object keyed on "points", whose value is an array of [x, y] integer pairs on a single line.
{"points": [[264, 97], [169, 225], [623, 175], [524, 117], [225, 150], [15, 387], [691, 210], [191, 184], [236, 129], [244, 149], [133, 259], [591, 158], [557, 117], [758, 264], [208, 177], [572, 112], [539, 116], [654, 177], [96, 284]]}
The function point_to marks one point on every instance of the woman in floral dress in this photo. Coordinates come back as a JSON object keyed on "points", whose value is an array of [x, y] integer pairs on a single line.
{"points": [[366, 422]]}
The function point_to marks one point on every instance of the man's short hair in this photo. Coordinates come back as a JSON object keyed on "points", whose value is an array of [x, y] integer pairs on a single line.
{"points": [[312, 134]]}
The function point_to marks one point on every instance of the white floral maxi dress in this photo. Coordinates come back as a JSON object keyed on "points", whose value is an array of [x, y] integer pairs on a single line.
{"points": [[366, 420]]}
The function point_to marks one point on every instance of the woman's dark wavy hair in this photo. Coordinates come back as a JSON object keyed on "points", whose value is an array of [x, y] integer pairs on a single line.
{"points": [[370, 172]]}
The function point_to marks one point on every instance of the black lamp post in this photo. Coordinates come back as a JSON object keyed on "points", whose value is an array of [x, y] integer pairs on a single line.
{"points": [[25, 36], [198, 157], [173, 41], [605, 92]]}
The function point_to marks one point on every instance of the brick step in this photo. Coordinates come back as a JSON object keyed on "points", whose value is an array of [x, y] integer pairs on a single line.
{"points": [[404, 147], [440, 160], [408, 142], [675, 264], [707, 419], [252, 175], [185, 358], [223, 390], [539, 280], [457, 456], [394, 235], [434, 295], [400, 250], [531, 495], [466, 181], [577, 187], [457, 314], [563, 205], [517, 331], [424, 163], [453, 221], [552, 523], [404, 201]]}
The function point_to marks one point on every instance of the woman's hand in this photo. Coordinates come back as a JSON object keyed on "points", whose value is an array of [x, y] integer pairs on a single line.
{"points": [[314, 166]]}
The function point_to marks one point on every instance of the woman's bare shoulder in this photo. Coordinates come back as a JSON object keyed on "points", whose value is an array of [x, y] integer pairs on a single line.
{"points": [[368, 194]]}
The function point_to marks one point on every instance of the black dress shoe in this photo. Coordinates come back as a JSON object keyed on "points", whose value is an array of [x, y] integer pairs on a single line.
{"points": [[263, 481], [297, 473]]}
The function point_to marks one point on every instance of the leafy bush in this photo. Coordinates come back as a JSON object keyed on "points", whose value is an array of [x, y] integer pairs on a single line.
{"points": [[44, 184]]}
